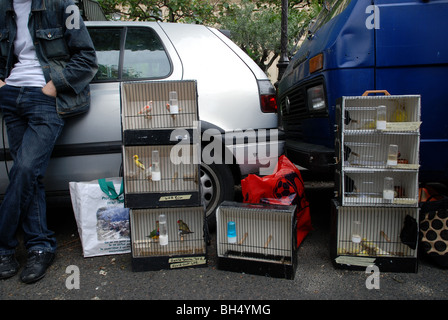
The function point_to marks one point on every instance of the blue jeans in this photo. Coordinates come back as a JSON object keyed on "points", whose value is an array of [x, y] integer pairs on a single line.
{"points": [[33, 126]]}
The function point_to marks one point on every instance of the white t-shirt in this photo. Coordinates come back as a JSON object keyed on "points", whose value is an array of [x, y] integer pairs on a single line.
{"points": [[27, 71]]}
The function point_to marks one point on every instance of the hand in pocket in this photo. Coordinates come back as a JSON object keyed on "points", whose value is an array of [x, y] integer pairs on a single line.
{"points": [[49, 89]]}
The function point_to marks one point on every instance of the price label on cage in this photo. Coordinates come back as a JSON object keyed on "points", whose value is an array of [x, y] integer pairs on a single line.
{"points": [[186, 261], [175, 197], [403, 126]]}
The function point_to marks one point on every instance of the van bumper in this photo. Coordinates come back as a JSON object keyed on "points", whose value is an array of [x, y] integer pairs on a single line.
{"points": [[313, 157]]}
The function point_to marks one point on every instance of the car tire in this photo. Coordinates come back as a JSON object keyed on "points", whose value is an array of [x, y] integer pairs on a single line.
{"points": [[217, 185]]}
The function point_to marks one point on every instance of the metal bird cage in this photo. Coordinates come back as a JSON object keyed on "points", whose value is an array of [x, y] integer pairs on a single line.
{"points": [[376, 209], [153, 110], [388, 113], [370, 187], [161, 149], [380, 151], [161, 169], [172, 180], [184, 245], [377, 143], [386, 237], [263, 243]]}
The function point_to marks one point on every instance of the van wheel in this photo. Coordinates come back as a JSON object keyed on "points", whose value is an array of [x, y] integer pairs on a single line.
{"points": [[217, 185]]}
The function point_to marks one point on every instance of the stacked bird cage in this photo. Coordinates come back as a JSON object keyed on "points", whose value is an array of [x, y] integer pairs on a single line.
{"points": [[157, 176], [257, 239], [159, 111], [376, 206], [183, 245], [161, 174]]}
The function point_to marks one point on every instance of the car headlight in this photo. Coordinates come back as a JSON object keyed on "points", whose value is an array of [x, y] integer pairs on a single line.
{"points": [[316, 98]]}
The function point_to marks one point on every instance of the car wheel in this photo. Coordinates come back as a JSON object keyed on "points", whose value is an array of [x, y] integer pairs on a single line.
{"points": [[217, 185]]}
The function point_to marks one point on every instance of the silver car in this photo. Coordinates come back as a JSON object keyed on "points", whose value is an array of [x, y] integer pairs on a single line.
{"points": [[236, 106]]}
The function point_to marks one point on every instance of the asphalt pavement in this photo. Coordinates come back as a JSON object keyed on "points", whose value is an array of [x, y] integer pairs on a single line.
{"points": [[111, 277]]}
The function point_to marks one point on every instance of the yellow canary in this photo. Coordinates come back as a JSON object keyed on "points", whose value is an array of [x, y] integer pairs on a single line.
{"points": [[370, 125], [400, 114], [371, 248], [138, 162]]}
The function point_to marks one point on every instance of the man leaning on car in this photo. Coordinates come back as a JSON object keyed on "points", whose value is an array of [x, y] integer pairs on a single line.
{"points": [[47, 61]]}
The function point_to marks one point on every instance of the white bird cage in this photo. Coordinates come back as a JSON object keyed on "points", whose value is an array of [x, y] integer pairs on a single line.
{"points": [[265, 242], [367, 187], [377, 162], [369, 152]]}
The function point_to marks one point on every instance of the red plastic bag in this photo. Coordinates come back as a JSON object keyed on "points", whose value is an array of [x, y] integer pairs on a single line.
{"points": [[285, 187]]}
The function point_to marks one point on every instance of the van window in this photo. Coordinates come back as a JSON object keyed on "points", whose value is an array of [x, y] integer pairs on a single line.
{"points": [[107, 46], [144, 55], [330, 9]]}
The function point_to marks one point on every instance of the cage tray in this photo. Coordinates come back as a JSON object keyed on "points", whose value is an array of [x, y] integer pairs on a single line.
{"points": [[162, 199], [158, 137], [269, 269], [259, 256], [156, 263]]}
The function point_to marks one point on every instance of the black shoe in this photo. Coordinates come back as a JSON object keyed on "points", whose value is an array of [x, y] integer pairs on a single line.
{"points": [[8, 266], [36, 266]]}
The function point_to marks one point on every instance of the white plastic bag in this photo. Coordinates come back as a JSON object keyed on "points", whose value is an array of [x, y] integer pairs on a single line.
{"points": [[102, 220]]}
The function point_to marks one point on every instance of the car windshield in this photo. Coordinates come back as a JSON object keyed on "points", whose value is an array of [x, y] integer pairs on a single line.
{"points": [[330, 9]]}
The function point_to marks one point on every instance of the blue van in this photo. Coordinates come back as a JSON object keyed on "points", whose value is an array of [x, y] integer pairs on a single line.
{"points": [[358, 45]]}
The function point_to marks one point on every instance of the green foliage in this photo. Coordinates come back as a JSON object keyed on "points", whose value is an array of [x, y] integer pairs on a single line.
{"points": [[256, 26], [186, 11]]}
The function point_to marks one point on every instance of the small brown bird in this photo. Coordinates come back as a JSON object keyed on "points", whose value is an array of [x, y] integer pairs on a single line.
{"points": [[183, 228]]}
